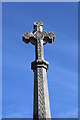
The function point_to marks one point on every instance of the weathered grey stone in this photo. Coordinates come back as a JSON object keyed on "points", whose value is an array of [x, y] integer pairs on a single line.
{"points": [[39, 37], [38, 33], [39, 63]]}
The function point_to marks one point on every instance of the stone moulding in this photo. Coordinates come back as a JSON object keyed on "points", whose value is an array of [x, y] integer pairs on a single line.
{"points": [[38, 63]]}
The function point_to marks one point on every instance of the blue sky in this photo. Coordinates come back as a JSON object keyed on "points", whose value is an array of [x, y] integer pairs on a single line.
{"points": [[17, 76]]}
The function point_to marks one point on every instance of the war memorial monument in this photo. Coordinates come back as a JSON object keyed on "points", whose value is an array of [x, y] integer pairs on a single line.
{"points": [[38, 37]]}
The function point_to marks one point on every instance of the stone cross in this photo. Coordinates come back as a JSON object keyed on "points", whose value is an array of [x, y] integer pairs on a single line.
{"points": [[38, 37]]}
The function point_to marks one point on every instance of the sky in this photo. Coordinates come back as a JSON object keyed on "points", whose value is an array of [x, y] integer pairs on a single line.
{"points": [[0, 61], [62, 55]]}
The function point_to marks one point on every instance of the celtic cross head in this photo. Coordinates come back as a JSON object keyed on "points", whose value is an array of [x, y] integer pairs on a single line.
{"points": [[38, 33]]}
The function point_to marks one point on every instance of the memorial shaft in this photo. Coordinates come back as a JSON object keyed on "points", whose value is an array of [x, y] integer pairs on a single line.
{"points": [[38, 37]]}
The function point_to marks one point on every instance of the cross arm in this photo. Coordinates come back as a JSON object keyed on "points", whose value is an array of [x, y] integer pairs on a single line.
{"points": [[49, 37], [28, 37], [31, 37]]}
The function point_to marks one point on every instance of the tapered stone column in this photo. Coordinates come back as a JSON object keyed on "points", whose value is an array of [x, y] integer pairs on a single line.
{"points": [[38, 37]]}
